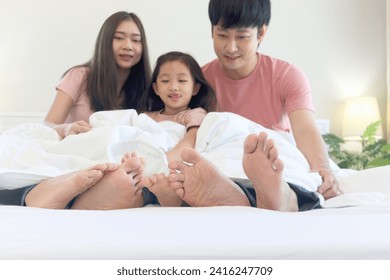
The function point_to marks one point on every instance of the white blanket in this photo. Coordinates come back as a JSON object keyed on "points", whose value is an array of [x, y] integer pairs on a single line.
{"points": [[30, 153]]}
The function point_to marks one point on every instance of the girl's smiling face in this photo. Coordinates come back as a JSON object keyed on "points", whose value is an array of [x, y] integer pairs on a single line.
{"points": [[175, 86]]}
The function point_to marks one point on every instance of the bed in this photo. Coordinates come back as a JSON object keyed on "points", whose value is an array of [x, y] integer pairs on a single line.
{"points": [[355, 225]]}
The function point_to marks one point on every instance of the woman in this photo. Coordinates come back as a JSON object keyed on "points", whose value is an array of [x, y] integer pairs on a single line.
{"points": [[114, 78]]}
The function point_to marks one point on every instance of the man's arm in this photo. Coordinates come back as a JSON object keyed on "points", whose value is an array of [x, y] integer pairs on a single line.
{"points": [[311, 144]]}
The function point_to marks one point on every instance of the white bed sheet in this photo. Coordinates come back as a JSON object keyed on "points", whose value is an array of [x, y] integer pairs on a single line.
{"points": [[353, 226], [195, 233]]}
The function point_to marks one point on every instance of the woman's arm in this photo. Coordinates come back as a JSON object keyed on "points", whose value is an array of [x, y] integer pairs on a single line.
{"points": [[58, 113]]}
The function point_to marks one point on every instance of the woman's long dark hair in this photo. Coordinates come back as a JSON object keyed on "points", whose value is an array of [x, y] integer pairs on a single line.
{"points": [[205, 97], [101, 83]]}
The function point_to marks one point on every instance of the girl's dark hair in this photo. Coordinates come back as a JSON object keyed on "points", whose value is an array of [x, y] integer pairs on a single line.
{"points": [[101, 83], [240, 13], [205, 97]]}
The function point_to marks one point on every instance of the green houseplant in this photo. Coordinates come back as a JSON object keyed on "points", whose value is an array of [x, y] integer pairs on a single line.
{"points": [[375, 152]]}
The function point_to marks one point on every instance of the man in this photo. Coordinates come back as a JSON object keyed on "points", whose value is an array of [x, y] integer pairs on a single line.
{"points": [[263, 89]]}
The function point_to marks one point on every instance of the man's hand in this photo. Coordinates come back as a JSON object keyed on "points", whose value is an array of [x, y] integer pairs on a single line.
{"points": [[330, 186]]}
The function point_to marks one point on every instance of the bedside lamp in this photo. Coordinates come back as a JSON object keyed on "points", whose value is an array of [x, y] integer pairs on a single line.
{"points": [[359, 113]]}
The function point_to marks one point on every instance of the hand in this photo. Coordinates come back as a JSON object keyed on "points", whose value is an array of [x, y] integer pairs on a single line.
{"points": [[330, 186], [76, 128]]}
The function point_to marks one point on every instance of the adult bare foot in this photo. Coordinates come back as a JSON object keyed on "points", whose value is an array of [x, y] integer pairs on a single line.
{"points": [[199, 183], [116, 190], [265, 171], [56, 193], [166, 195]]}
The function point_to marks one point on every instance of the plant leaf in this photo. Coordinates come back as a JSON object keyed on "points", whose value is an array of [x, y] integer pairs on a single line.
{"points": [[378, 162], [370, 132], [333, 141], [385, 148]]}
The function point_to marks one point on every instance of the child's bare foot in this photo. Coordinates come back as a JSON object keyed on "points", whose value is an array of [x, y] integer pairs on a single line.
{"points": [[117, 189], [265, 171], [56, 193], [202, 184], [134, 169], [166, 195], [133, 165]]}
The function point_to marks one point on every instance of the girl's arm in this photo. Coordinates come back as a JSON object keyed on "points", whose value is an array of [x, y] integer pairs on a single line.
{"points": [[58, 113], [191, 119], [187, 141]]}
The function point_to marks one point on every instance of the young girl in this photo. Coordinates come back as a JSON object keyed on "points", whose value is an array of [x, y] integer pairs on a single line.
{"points": [[180, 93], [114, 78]]}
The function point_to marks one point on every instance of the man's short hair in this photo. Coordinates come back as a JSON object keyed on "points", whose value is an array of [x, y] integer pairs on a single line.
{"points": [[240, 13]]}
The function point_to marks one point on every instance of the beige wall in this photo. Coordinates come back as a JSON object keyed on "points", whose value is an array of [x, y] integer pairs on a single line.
{"points": [[340, 44]]}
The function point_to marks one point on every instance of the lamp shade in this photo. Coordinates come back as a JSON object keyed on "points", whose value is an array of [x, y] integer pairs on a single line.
{"points": [[359, 113]]}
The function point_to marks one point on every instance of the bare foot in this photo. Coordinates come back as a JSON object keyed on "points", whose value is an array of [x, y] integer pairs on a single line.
{"points": [[117, 189], [166, 195], [56, 193], [201, 184], [265, 171], [136, 171]]}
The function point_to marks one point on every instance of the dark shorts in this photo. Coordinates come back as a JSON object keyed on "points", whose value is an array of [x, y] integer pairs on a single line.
{"points": [[149, 197], [15, 197], [306, 200]]}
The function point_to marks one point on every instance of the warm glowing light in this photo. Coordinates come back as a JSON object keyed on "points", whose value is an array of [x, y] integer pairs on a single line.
{"points": [[359, 113]]}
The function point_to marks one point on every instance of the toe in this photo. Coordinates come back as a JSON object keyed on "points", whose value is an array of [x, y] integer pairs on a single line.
{"points": [[250, 144], [191, 156], [180, 192], [273, 154], [279, 166], [269, 145]]}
